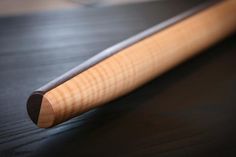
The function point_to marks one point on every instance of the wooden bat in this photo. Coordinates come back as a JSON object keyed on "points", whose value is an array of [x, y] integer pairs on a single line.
{"points": [[130, 64]]}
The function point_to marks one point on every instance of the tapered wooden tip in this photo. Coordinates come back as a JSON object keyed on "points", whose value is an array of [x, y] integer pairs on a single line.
{"points": [[40, 110]]}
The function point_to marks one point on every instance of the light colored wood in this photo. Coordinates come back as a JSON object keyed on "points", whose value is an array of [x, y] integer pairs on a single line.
{"points": [[137, 64]]}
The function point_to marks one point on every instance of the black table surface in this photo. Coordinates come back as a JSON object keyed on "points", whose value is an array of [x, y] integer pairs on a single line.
{"points": [[188, 111]]}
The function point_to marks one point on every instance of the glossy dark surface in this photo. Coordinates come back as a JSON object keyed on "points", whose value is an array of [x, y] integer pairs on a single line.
{"points": [[189, 111]]}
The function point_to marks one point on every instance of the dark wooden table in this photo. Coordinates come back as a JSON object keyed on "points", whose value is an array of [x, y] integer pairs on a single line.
{"points": [[189, 111]]}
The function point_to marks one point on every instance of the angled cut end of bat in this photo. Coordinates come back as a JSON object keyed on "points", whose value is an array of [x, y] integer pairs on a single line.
{"points": [[40, 110]]}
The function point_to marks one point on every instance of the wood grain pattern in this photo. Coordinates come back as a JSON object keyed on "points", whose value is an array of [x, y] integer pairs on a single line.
{"points": [[137, 64], [188, 111], [48, 36]]}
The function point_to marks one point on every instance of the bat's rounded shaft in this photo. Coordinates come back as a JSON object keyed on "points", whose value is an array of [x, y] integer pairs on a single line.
{"points": [[133, 66]]}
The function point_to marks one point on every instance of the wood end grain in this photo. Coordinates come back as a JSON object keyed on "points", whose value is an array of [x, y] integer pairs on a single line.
{"points": [[40, 110]]}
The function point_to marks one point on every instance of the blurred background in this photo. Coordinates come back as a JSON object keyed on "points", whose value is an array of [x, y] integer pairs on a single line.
{"points": [[14, 7]]}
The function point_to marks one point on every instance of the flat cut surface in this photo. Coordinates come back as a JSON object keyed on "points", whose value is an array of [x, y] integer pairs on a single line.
{"points": [[189, 111]]}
